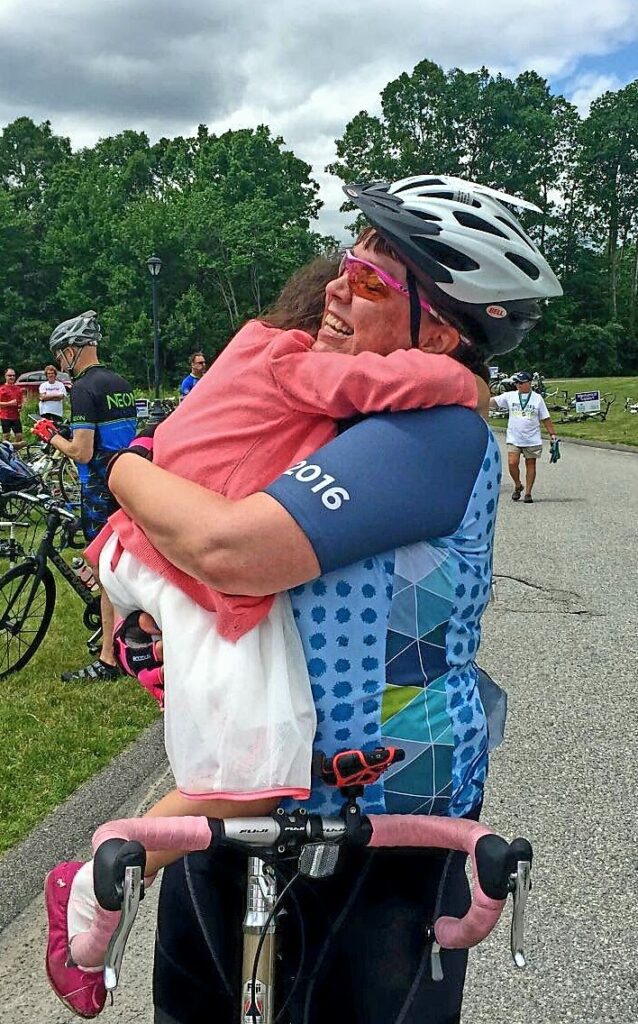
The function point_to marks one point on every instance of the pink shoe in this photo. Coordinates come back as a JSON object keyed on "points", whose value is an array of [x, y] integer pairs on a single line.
{"points": [[83, 992]]}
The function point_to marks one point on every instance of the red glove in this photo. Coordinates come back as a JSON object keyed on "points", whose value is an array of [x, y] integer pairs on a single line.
{"points": [[45, 430]]}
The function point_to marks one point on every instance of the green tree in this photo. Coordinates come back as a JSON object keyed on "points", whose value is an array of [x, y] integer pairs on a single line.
{"points": [[609, 174], [513, 134], [229, 216], [28, 155]]}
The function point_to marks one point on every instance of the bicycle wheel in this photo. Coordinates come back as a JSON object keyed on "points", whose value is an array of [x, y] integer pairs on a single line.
{"points": [[69, 481], [26, 606], [14, 508]]}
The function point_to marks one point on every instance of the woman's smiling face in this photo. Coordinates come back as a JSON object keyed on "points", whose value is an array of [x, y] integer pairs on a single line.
{"points": [[352, 324]]}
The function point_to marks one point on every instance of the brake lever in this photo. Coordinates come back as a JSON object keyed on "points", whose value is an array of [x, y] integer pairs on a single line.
{"points": [[133, 892], [520, 884]]}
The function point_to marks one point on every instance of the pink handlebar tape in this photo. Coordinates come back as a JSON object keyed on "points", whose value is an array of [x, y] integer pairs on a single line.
{"points": [[448, 834], [88, 948], [397, 830], [188, 833]]}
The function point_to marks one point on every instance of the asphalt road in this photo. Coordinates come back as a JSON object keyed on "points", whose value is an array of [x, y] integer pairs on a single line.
{"points": [[562, 638]]}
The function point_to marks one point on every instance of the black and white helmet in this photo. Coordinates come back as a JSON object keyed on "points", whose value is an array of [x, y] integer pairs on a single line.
{"points": [[472, 256], [78, 331]]}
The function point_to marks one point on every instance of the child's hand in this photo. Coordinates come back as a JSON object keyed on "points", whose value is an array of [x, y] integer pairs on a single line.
{"points": [[138, 649]]}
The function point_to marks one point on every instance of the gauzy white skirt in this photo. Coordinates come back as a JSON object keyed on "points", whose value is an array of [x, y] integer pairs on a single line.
{"points": [[239, 718]]}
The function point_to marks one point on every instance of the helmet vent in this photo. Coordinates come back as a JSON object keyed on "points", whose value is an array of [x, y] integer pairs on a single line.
{"points": [[525, 265], [450, 196], [422, 183], [470, 220], [445, 254], [513, 227], [424, 215]]}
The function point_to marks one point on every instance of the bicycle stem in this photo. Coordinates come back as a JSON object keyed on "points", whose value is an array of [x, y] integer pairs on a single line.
{"points": [[257, 1000]]}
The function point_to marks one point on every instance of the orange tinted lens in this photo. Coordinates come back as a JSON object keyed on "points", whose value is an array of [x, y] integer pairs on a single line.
{"points": [[365, 283]]}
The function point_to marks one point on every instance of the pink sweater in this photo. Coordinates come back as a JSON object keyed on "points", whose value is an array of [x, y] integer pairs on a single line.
{"points": [[267, 402]]}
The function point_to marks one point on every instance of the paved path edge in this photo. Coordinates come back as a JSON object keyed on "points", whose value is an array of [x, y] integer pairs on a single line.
{"points": [[631, 448], [70, 826]]}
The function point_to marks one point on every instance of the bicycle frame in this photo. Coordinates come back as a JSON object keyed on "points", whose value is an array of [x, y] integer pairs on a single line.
{"points": [[46, 551], [600, 414]]}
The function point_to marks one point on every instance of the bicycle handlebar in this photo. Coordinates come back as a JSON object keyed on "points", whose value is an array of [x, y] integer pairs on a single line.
{"points": [[47, 504], [497, 868]]}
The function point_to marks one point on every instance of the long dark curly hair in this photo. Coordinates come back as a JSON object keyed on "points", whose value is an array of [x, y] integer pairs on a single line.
{"points": [[301, 302]]}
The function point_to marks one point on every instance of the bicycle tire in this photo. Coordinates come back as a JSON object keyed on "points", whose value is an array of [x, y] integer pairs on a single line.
{"points": [[69, 481], [14, 508], [15, 618], [29, 451]]}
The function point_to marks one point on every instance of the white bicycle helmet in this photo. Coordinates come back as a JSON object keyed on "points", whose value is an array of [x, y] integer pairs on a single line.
{"points": [[471, 254], [77, 332]]}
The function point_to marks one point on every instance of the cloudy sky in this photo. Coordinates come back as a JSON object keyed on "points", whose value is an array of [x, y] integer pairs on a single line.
{"points": [[96, 67]]}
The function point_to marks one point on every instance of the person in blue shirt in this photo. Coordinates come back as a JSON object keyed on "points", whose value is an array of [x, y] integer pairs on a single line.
{"points": [[384, 540], [197, 363]]}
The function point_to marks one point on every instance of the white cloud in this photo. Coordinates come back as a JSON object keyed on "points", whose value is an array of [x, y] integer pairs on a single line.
{"points": [[584, 89], [95, 68]]}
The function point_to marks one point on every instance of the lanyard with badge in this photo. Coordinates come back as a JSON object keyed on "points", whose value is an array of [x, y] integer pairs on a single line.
{"points": [[525, 403]]}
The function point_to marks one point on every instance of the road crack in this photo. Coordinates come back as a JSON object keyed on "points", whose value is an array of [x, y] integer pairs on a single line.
{"points": [[560, 596]]}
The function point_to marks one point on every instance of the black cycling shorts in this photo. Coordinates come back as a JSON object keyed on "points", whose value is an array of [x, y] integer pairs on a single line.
{"points": [[96, 505], [11, 425], [367, 959]]}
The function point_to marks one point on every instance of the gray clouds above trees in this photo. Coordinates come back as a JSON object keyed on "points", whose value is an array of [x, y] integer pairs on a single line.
{"points": [[94, 69]]}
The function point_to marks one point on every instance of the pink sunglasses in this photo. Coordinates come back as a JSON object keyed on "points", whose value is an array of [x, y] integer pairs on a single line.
{"points": [[367, 281]]}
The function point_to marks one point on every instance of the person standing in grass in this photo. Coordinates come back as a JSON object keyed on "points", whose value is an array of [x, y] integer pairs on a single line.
{"points": [[11, 399], [527, 411], [103, 421], [197, 363], [52, 393]]}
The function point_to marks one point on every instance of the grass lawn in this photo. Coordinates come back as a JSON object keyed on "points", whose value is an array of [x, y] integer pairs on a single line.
{"points": [[620, 427], [54, 735]]}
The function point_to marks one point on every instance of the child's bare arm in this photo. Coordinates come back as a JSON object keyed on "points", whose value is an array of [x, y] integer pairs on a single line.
{"points": [[176, 805], [484, 396]]}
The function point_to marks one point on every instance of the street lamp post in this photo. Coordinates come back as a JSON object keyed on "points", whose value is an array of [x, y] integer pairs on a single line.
{"points": [[154, 265]]}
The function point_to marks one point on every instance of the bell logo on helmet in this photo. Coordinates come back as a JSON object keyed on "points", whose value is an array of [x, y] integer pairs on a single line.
{"points": [[498, 312], [350, 191]]}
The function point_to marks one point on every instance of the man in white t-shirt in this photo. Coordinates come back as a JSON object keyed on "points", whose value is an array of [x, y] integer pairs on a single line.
{"points": [[52, 393], [527, 410]]}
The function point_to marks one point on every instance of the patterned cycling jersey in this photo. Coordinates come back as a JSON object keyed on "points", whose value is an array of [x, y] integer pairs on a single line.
{"points": [[390, 641], [104, 402]]}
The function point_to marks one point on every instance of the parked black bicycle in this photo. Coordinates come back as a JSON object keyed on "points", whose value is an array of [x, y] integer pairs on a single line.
{"points": [[28, 590]]}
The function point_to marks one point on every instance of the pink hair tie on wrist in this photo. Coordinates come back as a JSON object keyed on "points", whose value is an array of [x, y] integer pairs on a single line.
{"points": [[144, 441]]}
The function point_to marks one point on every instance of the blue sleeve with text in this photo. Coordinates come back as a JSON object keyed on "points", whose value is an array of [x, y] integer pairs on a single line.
{"points": [[391, 480]]}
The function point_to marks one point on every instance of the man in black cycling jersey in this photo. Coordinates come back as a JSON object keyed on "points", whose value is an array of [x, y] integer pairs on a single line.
{"points": [[103, 421]]}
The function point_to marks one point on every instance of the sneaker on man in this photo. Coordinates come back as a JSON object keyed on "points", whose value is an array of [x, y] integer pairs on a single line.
{"points": [[97, 671], [81, 991]]}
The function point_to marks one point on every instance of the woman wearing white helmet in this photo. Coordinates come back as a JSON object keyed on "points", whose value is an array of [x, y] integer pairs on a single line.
{"points": [[384, 540], [467, 251]]}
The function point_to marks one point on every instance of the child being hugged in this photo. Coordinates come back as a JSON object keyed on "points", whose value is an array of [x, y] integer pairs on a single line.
{"points": [[239, 714]]}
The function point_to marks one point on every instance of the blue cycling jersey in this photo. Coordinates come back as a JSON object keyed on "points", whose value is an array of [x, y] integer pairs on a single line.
{"points": [[104, 402], [407, 503], [188, 384]]}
